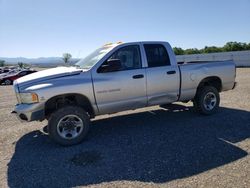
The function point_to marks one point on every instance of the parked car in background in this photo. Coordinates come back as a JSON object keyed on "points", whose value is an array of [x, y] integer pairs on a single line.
{"points": [[8, 79], [4, 71], [8, 70], [2, 75]]}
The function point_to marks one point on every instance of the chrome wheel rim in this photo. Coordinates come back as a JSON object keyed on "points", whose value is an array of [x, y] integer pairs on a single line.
{"points": [[209, 101], [70, 127]]}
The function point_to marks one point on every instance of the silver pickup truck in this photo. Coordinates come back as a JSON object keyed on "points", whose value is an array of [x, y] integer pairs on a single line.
{"points": [[114, 78]]}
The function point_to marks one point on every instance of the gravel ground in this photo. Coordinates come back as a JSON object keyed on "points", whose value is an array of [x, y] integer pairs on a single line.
{"points": [[154, 147]]}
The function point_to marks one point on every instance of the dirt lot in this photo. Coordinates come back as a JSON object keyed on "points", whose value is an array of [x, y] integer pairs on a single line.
{"points": [[160, 147]]}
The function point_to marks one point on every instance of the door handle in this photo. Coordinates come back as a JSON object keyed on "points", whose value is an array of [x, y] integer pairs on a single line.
{"points": [[171, 72], [138, 76]]}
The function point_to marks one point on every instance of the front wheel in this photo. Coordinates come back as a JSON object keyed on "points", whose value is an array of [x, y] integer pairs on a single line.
{"points": [[68, 125], [207, 100]]}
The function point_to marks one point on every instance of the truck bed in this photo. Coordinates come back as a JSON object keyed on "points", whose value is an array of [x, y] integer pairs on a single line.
{"points": [[193, 72]]}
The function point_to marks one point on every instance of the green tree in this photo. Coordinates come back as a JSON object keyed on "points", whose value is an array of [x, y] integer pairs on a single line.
{"points": [[192, 51], [66, 57], [2, 63], [178, 51], [21, 65], [211, 49], [248, 46], [234, 46]]}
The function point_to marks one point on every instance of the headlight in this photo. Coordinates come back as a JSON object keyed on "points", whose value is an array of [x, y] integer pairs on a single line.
{"points": [[28, 98]]}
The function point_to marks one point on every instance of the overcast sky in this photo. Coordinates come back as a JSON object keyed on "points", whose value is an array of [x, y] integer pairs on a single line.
{"points": [[46, 28]]}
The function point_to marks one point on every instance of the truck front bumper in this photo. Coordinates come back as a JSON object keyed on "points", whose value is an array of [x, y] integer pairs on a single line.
{"points": [[29, 112]]}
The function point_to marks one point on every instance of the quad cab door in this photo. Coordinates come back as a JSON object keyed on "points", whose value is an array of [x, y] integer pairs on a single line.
{"points": [[163, 77], [122, 88]]}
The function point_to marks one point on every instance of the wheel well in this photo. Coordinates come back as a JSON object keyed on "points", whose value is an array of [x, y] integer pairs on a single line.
{"points": [[211, 81], [59, 101]]}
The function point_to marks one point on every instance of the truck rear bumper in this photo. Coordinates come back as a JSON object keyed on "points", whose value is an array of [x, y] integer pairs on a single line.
{"points": [[29, 112]]}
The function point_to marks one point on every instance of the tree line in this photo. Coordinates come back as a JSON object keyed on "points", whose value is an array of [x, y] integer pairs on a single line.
{"points": [[228, 47]]}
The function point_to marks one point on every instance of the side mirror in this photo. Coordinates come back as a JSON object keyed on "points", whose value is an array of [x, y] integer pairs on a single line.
{"points": [[111, 66]]}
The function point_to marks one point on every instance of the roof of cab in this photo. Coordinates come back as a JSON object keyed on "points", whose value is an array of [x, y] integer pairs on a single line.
{"points": [[136, 42]]}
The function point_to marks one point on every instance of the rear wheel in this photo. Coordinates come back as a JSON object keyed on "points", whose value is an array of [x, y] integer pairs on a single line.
{"points": [[207, 100], [68, 125]]}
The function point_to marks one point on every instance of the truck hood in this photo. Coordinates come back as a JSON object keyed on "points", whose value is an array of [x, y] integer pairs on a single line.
{"points": [[48, 74]]}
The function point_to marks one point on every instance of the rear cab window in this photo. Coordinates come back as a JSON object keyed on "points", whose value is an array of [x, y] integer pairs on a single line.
{"points": [[157, 55]]}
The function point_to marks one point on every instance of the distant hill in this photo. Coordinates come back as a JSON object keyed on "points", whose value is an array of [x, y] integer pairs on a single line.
{"points": [[42, 61]]}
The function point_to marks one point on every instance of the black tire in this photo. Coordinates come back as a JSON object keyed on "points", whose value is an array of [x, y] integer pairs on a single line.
{"points": [[202, 99], [7, 82], [55, 128]]}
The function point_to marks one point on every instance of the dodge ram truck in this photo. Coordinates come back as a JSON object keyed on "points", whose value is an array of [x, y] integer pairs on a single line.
{"points": [[114, 78]]}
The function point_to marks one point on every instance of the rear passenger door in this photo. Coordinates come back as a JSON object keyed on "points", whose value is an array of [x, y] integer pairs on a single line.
{"points": [[162, 77]]}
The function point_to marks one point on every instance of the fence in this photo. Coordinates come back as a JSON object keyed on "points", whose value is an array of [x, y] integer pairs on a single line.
{"points": [[241, 58]]}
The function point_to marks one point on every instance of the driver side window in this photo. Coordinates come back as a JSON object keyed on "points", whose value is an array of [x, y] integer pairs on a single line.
{"points": [[129, 57]]}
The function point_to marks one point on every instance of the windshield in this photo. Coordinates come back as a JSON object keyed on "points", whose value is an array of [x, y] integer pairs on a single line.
{"points": [[94, 57]]}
